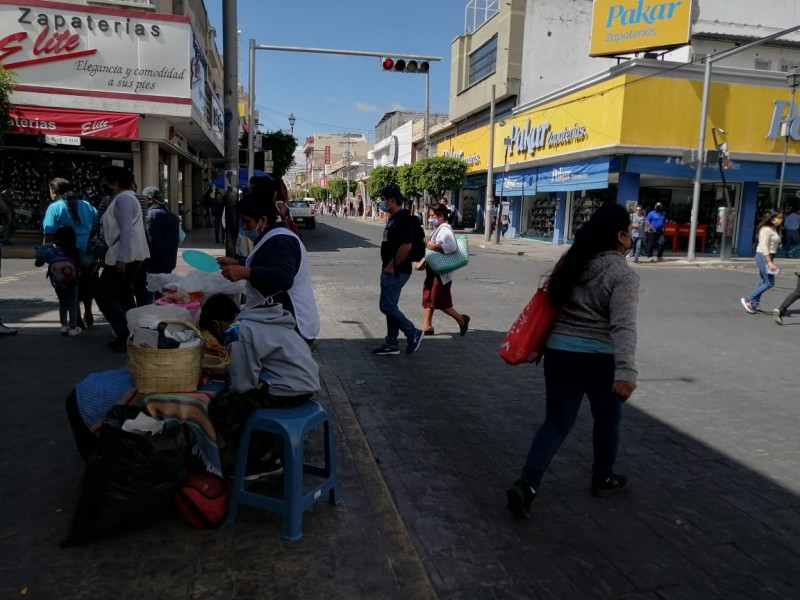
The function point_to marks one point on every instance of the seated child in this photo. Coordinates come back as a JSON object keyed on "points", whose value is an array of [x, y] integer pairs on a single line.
{"points": [[270, 367]]}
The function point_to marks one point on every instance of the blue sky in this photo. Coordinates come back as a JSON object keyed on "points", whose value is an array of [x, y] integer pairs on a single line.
{"points": [[334, 94]]}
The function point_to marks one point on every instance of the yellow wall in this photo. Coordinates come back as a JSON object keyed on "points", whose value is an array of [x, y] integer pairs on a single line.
{"points": [[643, 111]]}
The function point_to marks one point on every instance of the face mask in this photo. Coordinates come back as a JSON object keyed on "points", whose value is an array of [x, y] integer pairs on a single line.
{"points": [[433, 222], [777, 222], [251, 234], [383, 207]]}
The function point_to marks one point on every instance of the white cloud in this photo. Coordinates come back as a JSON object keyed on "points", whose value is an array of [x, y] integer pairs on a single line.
{"points": [[364, 107]]}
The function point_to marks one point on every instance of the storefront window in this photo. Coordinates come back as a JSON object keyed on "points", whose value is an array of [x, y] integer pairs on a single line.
{"points": [[585, 203], [539, 215]]}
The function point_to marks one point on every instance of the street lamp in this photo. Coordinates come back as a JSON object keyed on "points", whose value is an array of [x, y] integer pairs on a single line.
{"points": [[292, 121], [793, 79]]}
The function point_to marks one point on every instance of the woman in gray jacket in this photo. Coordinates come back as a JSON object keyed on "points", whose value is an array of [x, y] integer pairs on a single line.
{"points": [[590, 352]]}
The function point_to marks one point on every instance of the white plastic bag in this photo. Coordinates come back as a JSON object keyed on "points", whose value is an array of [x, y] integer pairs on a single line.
{"points": [[151, 315]]}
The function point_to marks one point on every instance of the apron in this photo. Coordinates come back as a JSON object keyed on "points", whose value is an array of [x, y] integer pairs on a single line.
{"points": [[301, 293]]}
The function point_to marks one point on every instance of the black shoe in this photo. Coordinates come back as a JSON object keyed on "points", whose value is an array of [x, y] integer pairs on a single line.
{"points": [[414, 342], [609, 485], [520, 497], [428, 331], [261, 469], [462, 329], [118, 345], [386, 349]]}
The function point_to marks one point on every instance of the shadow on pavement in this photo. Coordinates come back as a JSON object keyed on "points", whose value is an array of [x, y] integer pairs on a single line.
{"points": [[694, 523]]}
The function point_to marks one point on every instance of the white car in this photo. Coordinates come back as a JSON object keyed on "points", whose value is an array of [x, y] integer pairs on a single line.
{"points": [[302, 212]]}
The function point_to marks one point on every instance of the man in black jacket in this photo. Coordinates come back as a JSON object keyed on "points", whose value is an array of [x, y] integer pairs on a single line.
{"points": [[163, 235]]}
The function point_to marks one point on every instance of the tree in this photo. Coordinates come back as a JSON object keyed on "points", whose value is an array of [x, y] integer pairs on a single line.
{"points": [[6, 87], [318, 193], [409, 181], [282, 146], [440, 174], [380, 178], [337, 188]]}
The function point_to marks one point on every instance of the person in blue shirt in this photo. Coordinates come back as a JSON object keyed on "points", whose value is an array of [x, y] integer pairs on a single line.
{"points": [[656, 219]]}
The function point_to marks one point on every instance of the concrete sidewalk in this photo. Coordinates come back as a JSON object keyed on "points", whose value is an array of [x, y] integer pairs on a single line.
{"points": [[358, 549]]}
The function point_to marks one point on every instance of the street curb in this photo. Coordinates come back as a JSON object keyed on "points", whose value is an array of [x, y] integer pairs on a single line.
{"points": [[410, 574]]}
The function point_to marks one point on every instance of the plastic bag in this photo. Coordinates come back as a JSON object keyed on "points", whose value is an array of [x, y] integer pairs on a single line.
{"points": [[150, 315], [130, 479], [196, 281]]}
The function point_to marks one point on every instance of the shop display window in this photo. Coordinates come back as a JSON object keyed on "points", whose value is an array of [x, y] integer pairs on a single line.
{"points": [[583, 207], [542, 216]]}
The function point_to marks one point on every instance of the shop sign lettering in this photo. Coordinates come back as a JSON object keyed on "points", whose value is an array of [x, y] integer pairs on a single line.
{"points": [[531, 139], [790, 109], [647, 14], [472, 159], [93, 127]]}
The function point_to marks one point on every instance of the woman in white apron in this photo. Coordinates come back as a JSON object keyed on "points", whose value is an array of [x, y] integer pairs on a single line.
{"points": [[278, 266]]}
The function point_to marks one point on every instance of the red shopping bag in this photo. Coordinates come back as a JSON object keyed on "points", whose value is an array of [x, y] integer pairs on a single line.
{"points": [[526, 340]]}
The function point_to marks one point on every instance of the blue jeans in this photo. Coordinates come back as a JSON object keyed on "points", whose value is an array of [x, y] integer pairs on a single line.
{"points": [[391, 286], [792, 240], [637, 247], [565, 393], [765, 281]]}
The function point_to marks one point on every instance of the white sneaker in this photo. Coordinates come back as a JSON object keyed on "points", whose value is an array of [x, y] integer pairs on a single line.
{"points": [[7, 330], [75, 331], [64, 329]]}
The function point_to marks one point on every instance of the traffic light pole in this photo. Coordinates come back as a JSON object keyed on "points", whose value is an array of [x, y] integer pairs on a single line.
{"points": [[487, 212], [231, 107], [252, 82]]}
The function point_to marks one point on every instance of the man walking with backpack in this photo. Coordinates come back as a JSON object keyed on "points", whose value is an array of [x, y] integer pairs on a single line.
{"points": [[403, 240]]}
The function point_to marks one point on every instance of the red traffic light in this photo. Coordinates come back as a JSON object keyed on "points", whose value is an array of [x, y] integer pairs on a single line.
{"points": [[402, 65], [388, 64]]}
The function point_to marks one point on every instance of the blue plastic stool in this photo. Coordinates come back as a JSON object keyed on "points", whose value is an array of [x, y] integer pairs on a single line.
{"points": [[292, 424]]}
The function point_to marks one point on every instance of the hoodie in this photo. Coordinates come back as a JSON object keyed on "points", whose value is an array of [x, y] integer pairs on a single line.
{"points": [[602, 306], [268, 342]]}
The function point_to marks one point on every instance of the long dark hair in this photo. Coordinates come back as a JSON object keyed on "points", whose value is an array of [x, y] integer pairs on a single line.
{"points": [[598, 234], [767, 219], [65, 238], [65, 190], [440, 210]]}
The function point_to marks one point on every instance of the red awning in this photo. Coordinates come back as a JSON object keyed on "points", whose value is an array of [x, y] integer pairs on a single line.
{"points": [[78, 123]]}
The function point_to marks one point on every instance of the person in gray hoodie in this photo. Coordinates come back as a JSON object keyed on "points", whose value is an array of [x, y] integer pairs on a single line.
{"points": [[591, 352], [270, 367]]}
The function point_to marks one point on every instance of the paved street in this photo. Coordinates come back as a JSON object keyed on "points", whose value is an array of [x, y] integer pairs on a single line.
{"points": [[428, 443]]}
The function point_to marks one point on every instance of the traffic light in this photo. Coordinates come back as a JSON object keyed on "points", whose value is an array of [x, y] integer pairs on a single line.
{"points": [[401, 65]]}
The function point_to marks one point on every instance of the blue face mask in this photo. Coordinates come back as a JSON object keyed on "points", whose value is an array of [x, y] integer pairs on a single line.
{"points": [[433, 222], [383, 207], [252, 234]]}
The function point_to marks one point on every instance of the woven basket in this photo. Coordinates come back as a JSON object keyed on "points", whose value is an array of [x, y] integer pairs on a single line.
{"points": [[169, 370]]}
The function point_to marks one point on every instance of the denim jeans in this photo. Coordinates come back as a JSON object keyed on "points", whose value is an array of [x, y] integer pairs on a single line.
{"points": [[565, 393], [765, 281], [68, 306], [391, 286], [656, 241], [792, 240], [637, 247]]}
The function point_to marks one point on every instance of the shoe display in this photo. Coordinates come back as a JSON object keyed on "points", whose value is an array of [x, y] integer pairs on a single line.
{"points": [[520, 497], [462, 329], [75, 331], [777, 316], [748, 306], [7, 330], [386, 349], [414, 342], [609, 485], [64, 329]]}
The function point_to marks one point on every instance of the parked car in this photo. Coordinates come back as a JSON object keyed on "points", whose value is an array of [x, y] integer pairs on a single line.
{"points": [[302, 212]]}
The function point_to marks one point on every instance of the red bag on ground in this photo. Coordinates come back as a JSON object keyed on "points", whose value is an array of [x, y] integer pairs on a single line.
{"points": [[526, 340], [203, 500]]}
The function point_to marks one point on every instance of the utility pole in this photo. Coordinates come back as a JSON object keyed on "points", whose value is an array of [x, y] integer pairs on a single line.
{"points": [[230, 42], [487, 216], [346, 155]]}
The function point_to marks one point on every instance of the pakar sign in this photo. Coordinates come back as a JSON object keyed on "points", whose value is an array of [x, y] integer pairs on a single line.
{"points": [[628, 26], [81, 50]]}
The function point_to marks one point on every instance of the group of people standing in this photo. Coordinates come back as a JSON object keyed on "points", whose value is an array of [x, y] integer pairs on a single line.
{"points": [[103, 253], [647, 232]]}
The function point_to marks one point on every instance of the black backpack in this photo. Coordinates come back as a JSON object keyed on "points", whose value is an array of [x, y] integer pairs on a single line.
{"points": [[417, 240]]}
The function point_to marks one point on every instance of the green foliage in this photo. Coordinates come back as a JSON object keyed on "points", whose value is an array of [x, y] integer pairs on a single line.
{"points": [[440, 174], [282, 145], [408, 177], [336, 187], [318, 193], [6, 87], [380, 178]]}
